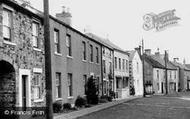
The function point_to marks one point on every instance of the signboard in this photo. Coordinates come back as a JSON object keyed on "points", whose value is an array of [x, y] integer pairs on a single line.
{"points": [[160, 21]]}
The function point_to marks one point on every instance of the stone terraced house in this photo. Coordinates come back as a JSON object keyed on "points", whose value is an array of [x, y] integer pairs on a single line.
{"points": [[155, 76], [22, 76]]}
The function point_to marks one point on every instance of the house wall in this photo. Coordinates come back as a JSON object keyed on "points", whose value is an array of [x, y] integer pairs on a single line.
{"points": [[21, 54], [173, 78], [137, 74], [73, 64], [158, 80], [121, 74], [186, 79], [107, 56]]}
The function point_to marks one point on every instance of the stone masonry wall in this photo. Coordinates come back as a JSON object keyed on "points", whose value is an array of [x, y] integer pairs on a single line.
{"points": [[22, 55]]}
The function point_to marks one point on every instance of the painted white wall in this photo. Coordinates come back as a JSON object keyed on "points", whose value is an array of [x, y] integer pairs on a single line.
{"points": [[122, 93], [137, 74], [117, 71]]}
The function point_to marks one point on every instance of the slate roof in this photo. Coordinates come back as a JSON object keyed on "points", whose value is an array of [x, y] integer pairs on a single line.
{"points": [[106, 42], [99, 39], [162, 62], [180, 65], [158, 62], [153, 62]]}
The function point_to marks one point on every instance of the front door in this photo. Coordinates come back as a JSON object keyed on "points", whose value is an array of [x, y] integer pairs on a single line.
{"points": [[24, 90], [162, 87]]}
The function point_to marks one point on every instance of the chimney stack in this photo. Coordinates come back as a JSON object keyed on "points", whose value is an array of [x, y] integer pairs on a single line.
{"points": [[64, 16], [148, 51]]}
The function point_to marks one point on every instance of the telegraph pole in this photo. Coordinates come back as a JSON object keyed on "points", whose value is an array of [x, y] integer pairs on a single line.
{"points": [[166, 74], [48, 76], [143, 60]]}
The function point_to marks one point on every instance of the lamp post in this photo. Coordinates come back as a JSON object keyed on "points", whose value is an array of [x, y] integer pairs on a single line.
{"points": [[48, 76]]}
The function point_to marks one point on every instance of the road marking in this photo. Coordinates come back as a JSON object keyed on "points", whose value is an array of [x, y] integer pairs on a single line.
{"points": [[153, 105]]}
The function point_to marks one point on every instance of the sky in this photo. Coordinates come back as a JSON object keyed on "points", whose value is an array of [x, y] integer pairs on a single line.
{"points": [[121, 22]]}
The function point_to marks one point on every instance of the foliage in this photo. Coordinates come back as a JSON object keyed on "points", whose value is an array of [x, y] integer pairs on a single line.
{"points": [[57, 106], [80, 101], [92, 91], [67, 106]]}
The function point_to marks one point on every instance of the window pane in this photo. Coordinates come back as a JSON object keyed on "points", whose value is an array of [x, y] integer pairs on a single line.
{"points": [[35, 41], [6, 32], [6, 18], [35, 29]]}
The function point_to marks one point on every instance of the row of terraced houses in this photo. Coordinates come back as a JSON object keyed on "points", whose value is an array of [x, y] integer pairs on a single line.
{"points": [[75, 57]]}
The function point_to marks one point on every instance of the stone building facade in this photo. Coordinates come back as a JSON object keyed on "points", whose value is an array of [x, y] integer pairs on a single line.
{"points": [[21, 57]]}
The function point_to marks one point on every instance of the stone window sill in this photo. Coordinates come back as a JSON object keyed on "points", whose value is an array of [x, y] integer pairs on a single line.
{"points": [[38, 100], [58, 99], [84, 61], [9, 43], [69, 57], [37, 49], [58, 54], [70, 97]]}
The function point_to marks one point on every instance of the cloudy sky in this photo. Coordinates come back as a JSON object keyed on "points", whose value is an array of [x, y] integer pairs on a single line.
{"points": [[121, 21]]}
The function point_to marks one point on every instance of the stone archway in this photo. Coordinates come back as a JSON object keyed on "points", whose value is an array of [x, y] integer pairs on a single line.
{"points": [[7, 84]]}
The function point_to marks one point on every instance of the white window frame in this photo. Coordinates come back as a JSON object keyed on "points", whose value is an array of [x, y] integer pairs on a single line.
{"points": [[38, 71], [70, 85], [57, 41], [10, 10], [58, 86], [36, 35]]}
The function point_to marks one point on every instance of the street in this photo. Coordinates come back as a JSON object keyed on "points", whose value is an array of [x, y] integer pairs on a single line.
{"points": [[155, 107]]}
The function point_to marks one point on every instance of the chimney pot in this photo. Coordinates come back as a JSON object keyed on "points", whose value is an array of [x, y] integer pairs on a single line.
{"points": [[65, 16]]}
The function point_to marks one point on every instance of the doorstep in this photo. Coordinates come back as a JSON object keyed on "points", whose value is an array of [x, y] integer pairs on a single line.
{"points": [[82, 112]]}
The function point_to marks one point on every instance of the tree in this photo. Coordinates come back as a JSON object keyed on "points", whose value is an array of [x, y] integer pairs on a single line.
{"points": [[92, 91]]}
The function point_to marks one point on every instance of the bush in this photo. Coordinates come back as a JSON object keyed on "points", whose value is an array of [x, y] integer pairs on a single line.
{"points": [[92, 91], [80, 102], [110, 98], [57, 106], [67, 106]]}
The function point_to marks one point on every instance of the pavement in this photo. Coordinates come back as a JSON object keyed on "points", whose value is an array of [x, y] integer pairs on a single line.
{"points": [[87, 111]]}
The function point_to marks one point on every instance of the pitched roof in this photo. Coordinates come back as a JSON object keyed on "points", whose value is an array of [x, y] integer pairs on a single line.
{"points": [[106, 42], [153, 62], [131, 54], [180, 65], [162, 62], [99, 39]]}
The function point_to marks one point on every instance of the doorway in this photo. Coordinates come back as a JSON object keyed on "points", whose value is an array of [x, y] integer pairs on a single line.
{"points": [[24, 88], [7, 85]]}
